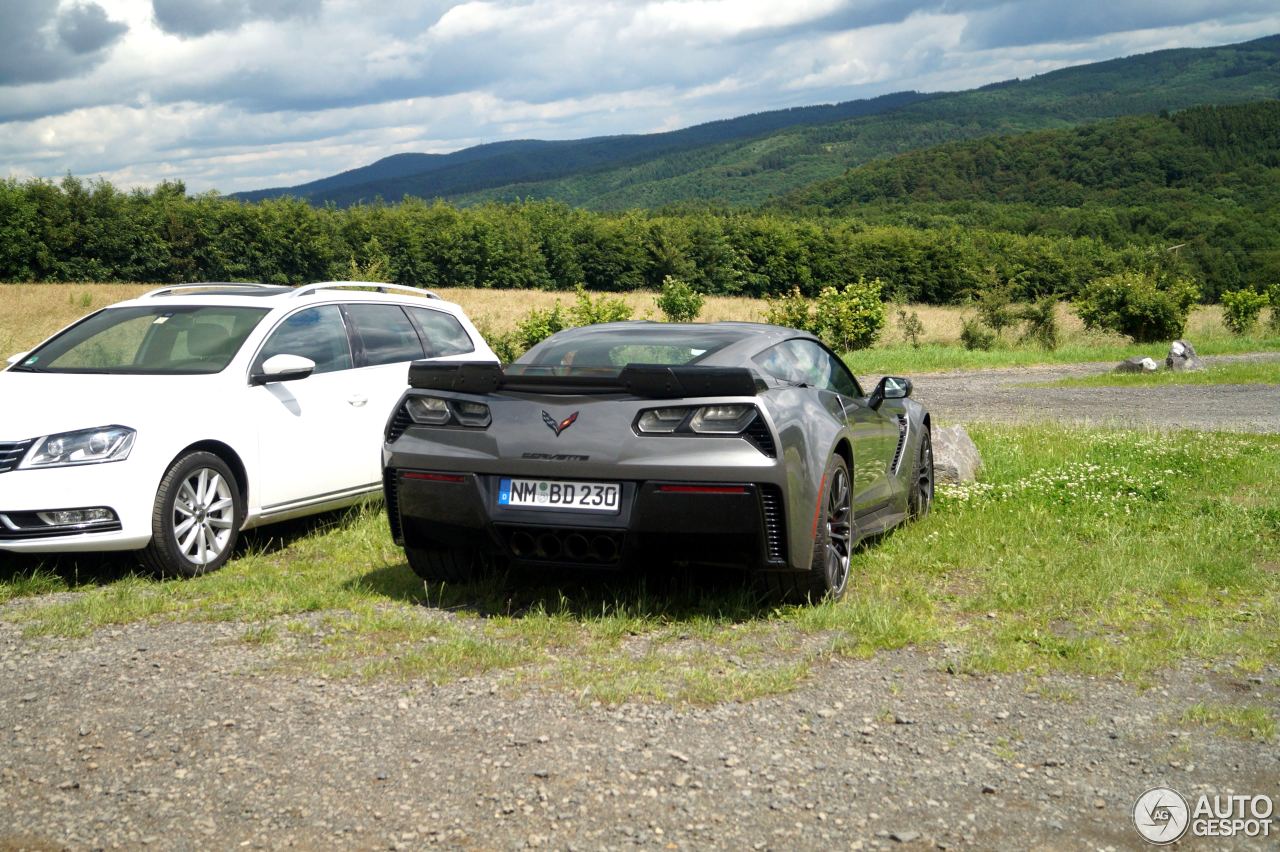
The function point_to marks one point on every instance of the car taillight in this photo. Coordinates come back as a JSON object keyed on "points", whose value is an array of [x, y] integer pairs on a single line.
{"points": [[722, 419]]}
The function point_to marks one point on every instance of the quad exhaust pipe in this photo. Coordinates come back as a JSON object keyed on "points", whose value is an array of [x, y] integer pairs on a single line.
{"points": [[569, 546]]}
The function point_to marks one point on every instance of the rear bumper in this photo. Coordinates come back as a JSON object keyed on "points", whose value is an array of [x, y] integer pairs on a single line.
{"points": [[738, 523]]}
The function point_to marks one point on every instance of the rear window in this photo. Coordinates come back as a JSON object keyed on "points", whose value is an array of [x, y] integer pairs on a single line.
{"points": [[607, 351], [386, 334], [442, 333]]}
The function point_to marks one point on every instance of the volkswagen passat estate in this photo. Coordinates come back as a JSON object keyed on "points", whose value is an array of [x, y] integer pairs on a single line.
{"points": [[169, 423]]}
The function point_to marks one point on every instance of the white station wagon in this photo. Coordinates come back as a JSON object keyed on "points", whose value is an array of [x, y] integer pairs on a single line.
{"points": [[171, 422]]}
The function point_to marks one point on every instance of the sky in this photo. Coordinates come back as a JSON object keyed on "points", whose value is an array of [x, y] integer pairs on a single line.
{"points": [[245, 94]]}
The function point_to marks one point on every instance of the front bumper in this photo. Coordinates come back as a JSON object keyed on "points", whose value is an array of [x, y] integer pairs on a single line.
{"points": [[739, 523], [113, 485]]}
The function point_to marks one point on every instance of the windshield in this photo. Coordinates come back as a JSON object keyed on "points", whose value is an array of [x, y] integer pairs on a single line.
{"points": [[147, 340], [606, 351]]}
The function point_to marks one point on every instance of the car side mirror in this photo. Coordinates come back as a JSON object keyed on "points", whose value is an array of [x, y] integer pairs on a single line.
{"points": [[283, 368], [15, 358], [889, 387]]}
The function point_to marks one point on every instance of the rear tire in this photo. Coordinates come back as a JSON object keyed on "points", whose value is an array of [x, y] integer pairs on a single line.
{"points": [[828, 575], [920, 498], [197, 517], [445, 564]]}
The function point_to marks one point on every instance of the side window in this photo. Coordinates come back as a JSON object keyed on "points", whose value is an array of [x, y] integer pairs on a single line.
{"points": [[803, 361], [316, 333], [443, 335], [386, 334]]}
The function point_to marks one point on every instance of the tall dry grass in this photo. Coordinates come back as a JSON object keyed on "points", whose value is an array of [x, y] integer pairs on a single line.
{"points": [[31, 312]]}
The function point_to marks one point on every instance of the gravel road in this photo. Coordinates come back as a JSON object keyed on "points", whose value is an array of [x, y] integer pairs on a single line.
{"points": [[1001, 395], [182, 736]]}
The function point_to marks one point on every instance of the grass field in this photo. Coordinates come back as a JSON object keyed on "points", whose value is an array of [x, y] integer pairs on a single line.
{"points": [[31, 312], [1100, 552]]}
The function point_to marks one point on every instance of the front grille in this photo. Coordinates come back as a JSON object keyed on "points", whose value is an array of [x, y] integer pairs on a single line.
{"points": [[391, 495], [758, 434], [399, 424], [775, 537], [11, 452]]}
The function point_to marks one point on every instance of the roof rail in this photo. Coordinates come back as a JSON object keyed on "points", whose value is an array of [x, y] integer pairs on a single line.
{"points": [[307, 289], [208, 285]]}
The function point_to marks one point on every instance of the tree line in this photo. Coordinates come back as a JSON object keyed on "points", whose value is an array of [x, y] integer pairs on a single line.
{"points": [[74, 230]]}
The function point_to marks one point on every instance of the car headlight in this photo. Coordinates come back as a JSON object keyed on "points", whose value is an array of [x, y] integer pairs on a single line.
{"points": [[86, 446]]}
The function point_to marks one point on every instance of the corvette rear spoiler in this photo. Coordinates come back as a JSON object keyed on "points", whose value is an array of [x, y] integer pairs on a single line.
{"points": [[654, 381]]}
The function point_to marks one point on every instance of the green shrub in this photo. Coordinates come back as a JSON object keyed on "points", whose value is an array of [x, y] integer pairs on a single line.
{"points": [[1241, 309], [1273, 296], [1041, 320], [912, 328], [1138, 305], [851, 318], [995, 307], [678, 301], [791, 311], [975, 335], [588, 311]]}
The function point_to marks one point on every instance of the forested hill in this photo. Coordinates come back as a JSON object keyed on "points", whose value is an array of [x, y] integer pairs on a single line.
{"points": [[1207, 178], [749, 160], [501, 163]]}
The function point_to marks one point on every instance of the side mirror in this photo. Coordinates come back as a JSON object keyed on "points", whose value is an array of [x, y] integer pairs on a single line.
{"points": [[15, 358], [283, 368], [890, 387]]}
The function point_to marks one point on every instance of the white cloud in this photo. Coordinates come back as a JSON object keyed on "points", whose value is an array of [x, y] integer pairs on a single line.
{"points": [[277, 92]]}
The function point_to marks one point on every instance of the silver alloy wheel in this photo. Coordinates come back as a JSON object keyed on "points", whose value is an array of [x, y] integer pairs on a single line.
{"points": [[839, 531], [203, 515]]}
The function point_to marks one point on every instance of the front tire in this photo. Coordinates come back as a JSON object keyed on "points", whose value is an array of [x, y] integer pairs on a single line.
{"points": [[197, 517], [920, 498]]}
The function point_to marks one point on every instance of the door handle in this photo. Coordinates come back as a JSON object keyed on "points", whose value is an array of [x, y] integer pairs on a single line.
{"points": [[357, 401]]}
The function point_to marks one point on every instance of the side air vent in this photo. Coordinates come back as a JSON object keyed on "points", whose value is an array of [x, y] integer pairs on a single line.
{"points": [[399, 424], [758, 434], [391, 494], [902, 444], [775, 538], [11, 452]]}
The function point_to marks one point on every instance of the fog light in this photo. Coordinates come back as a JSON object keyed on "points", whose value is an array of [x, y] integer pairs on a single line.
{"points": [[76, 517]]}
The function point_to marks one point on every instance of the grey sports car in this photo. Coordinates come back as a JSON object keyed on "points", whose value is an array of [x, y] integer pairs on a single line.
{"points": [[711, 443]]}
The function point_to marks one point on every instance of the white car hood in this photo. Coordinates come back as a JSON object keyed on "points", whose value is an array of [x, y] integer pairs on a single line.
{"points": [[36, 404]]}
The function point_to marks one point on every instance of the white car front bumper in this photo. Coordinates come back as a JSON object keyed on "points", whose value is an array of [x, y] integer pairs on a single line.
{"points": [[118, 486]]}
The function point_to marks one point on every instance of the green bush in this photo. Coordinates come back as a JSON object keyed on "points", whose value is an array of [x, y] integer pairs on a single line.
{"points": [[588, 311], [851, 318], [678, 301], [1273, 296], [791, 311], [1241, 309], [540, 323], [975, 335], [995, 307], [1041, 320], [1138, 304], [912, 328]]}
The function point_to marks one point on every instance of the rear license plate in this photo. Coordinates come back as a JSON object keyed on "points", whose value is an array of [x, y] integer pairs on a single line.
{"points": [[554, 494]]}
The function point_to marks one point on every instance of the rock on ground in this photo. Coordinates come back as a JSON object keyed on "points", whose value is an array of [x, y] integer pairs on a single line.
{"points": [[1137, 364], [1182, 357], [955, 456]]}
